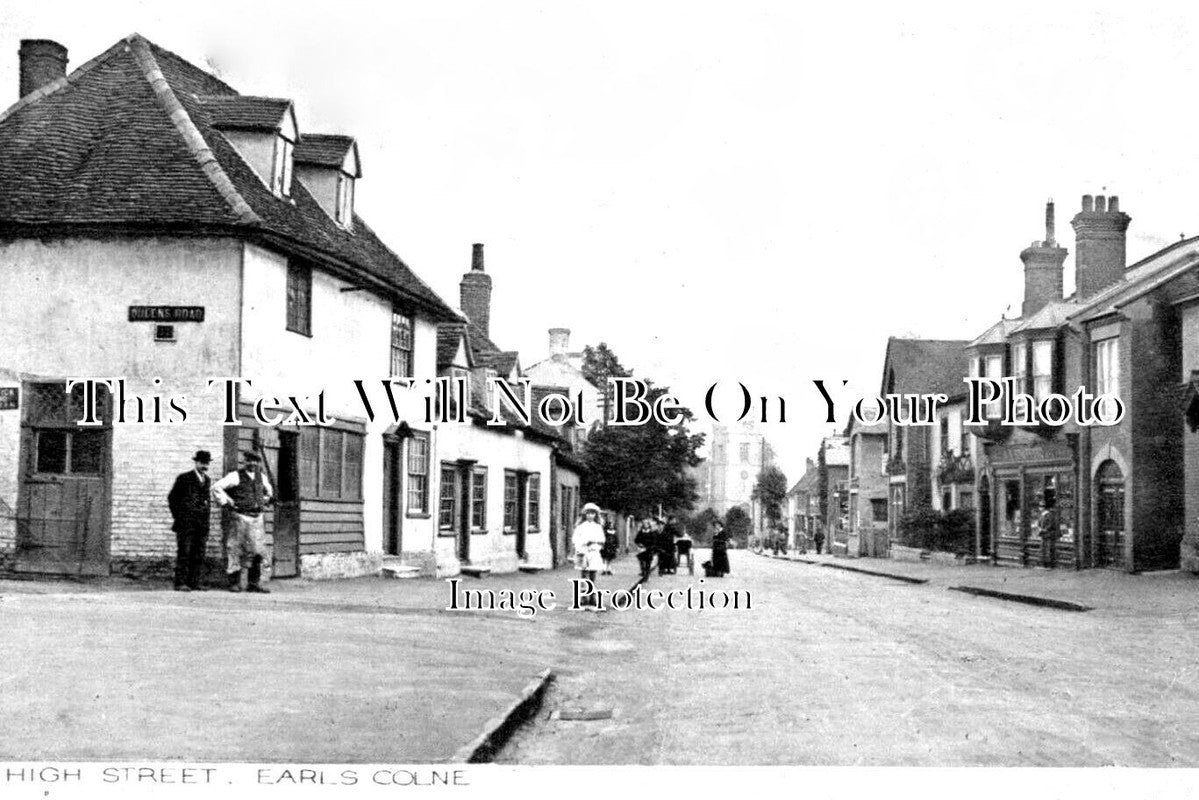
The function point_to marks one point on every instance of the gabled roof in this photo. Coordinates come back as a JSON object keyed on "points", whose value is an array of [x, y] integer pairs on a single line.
{"points": [[997, 333], [327, 150], [125, 144], [449, 338], [925, 366], [241, 112], [1052, 315], [1143, 276], [502, 361]]}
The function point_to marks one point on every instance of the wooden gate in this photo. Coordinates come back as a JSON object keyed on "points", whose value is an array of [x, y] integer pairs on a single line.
{"points": [[65, 475]]}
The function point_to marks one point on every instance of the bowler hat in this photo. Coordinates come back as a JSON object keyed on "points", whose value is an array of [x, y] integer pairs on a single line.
{"points": [[203, 456], [250, 455]]}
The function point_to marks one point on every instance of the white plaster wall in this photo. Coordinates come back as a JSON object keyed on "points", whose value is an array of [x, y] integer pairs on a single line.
{"points": [[497, 452], [64, 314], [351, 339]]}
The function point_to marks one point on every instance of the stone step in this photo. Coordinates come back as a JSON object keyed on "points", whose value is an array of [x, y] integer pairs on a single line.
{"points": [[400, 571], [476, 572], [531, 569]]}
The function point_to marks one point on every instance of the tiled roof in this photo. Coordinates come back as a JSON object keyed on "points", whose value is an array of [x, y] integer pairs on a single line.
{"points": [[449, 335], [124, 143], [926, 366], [502, 361], [1052, 315], [242, 112], [325, 149], [997, 333]]}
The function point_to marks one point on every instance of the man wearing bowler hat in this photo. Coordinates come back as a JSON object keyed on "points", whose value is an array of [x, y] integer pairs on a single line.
{"points": [[189, 501], [246, 492]]}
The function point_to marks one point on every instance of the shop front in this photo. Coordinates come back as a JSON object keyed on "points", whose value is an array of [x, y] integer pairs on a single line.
{"points": [[1033, 505]]}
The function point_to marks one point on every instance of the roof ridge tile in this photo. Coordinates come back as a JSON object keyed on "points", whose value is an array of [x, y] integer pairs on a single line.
{"points": [[191, 135]]}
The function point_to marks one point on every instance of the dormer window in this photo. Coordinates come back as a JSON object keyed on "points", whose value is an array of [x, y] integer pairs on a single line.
{"points": [[328, 166], [282, 169], [345, 200], [263, 130]]}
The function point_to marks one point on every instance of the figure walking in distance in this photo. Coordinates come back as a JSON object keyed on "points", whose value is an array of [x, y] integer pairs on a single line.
{"points": [[588, 540], [189, 501], [246, 492], [720, 551]]}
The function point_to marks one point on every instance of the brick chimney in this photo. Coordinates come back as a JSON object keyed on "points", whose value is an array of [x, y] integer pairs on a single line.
{"points": [[559, 341], [1042, 269], [41, 62], [474, 292], [1099, 243]]}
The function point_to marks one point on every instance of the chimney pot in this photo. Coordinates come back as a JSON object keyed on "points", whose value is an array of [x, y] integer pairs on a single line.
{"points": [[474, 292], [1100, 204], [1050, 232], [41, 62], [1088, 204], [1113, 204], [476, 259]]}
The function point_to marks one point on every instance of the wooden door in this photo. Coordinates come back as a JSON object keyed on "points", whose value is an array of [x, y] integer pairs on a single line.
{"points": [[392, 516], [287, 507], [63, 494]]}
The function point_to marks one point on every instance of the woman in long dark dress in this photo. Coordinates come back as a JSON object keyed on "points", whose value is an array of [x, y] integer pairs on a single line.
{"points": [[720, 551]]}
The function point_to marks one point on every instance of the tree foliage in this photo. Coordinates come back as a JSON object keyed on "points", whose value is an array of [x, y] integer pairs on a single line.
{"points": [[700, 526], [636, 469], [738, 525], [771, 491]]}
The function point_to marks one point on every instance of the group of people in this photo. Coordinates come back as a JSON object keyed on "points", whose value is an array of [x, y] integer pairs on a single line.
{"points": [[665, 540], [246, 492]]}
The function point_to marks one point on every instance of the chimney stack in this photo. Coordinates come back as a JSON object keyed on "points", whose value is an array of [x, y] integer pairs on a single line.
{"points": [[474, 292], [1099, 244], [559, 341], [41, 62], [1042, 269]]}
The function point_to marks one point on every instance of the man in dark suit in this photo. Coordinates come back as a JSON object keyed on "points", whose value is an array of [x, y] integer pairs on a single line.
{"points": [[189, 501]]}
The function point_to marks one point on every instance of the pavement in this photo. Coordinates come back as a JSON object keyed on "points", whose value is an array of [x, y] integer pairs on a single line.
{"points": [[1111, 590]]}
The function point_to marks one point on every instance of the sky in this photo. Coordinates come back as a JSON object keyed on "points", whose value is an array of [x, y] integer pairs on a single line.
{"points": [[754, 192]]}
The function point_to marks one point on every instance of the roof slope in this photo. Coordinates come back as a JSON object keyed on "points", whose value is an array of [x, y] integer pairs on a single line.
{"points": [[925, 366], [125, 142]]}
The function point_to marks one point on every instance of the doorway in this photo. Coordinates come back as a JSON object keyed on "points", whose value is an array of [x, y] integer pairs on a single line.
{"points": [[64, 490]]}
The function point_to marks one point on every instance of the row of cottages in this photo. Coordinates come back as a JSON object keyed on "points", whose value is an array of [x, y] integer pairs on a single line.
{"points": [[159, 227], [1122, 496], [803, 506]]}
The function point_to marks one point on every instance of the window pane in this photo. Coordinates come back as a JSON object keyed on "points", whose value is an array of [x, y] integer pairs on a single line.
{"points": [[309, 458], [87, 447], [510, 518], [299, 298], [401, 345], [449, 495], [478, 499], [331, 459], [52, 451], [418, 474], [1042, 368], [534, 492], [353, 467]]}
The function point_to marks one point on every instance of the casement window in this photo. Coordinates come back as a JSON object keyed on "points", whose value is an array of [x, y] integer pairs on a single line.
{"points": [[1020, 366], [511, 505], [281, 171], [447, 511], [533, 495], [994, 371], [418, 474], [1042, 369], [1107, 367], [478, 499], [331, 463], [401, 345], [345, 200], [299, 298]]}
